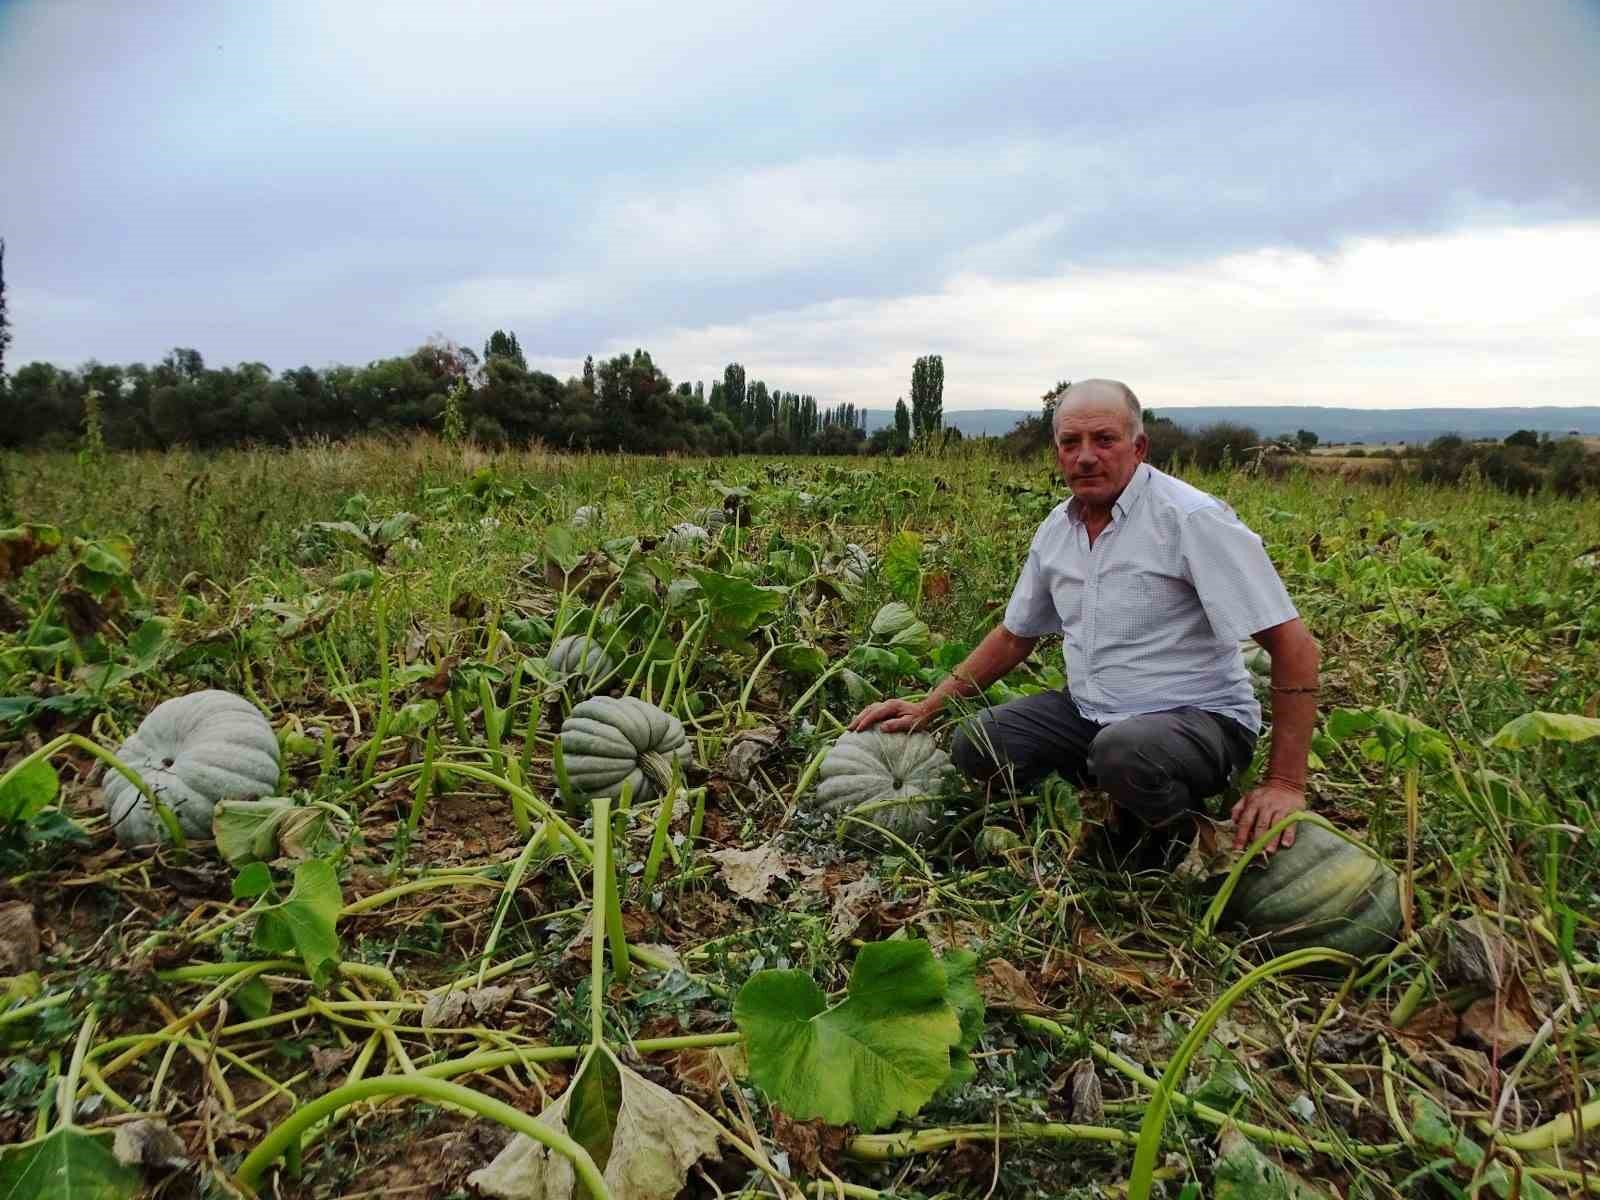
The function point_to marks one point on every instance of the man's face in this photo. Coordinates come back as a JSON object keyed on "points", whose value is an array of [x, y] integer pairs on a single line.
{"points": [[1096, 456]]}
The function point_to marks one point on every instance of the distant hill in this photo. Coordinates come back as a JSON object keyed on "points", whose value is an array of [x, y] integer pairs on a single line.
{"points": [[1329, 424]]}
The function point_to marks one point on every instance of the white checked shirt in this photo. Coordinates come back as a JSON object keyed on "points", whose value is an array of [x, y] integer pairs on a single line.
{"points": [[1151, 616]]}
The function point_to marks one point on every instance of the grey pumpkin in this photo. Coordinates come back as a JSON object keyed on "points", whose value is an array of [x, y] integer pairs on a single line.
{"points": [[609, 741], [192, 752], [890, 779], [579, 654]]}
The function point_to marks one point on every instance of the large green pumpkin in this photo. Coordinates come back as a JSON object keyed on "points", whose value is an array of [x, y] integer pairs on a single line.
{"points": [[192, 752], [609, 741], [890, 779], [1322, 891]]}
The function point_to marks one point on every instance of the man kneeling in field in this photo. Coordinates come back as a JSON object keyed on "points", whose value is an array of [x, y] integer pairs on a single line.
{"points": [[1152, 585]]}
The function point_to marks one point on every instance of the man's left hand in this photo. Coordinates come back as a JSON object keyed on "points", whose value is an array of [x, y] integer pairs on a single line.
{"points": [[1261, 809]]}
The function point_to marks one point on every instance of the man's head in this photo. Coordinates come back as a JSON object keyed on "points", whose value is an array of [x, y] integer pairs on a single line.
{"points": [[1099, 439]]}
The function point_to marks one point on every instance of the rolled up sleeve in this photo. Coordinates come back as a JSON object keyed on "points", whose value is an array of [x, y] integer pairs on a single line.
{"points": [[1238, 586]]}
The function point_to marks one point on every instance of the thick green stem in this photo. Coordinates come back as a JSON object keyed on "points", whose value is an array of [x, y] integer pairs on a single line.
{"points": [[879, 1147], [597, 897], [168, 818], [280, 1138], [1144, 1158]]}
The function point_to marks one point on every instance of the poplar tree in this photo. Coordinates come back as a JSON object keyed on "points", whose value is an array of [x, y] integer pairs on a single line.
{"points": [[902, 420], [733, 394], [927, 394]]}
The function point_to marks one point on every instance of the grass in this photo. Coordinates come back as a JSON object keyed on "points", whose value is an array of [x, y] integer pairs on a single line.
{"points": [[1461, 608]]}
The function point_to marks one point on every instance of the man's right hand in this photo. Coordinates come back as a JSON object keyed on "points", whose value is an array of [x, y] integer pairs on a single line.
{"points": [[894, 716]]}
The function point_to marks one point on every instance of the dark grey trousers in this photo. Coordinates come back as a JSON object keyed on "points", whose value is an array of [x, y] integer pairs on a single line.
{"points": [[1156, 767]]}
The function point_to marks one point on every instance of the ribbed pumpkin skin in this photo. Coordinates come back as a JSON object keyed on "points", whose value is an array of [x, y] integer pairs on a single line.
{"points": [[710, 519], [579, 654], [1322, 891], [686, 534], [606, 739], [586, 514], [191, 751], [866, 768]]}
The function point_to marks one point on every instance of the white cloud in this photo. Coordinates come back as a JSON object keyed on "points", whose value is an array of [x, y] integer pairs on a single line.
{"points": [[1477, 317]]}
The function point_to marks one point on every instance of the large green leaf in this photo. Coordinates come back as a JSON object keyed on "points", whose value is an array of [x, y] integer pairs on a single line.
{"points": [[884, 1050], [1532, 728], [69, 1164], [304, 923], [902, 565], [961, 992], [28, 791], [737, 605]]}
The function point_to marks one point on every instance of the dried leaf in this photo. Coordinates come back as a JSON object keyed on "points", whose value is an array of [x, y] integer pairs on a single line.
{"points": [[654, 1137], [1086, 1100], [149, 1143], [466, 1006], [19, 938], [1476, 953], [1436, 1020], [749, 873], [1003, 986], [1503, 1023], [851, 902]]}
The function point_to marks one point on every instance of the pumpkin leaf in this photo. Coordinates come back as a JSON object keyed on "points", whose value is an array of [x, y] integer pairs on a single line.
{"points": [[24, 545], [354, 581], [896, 625], [643, 1138], [882, 1051], [255, 998], [69, 1163], [801, 660], [247, 830], [28, 791], [902, 565], [255, 880], [1530, 729], [961, 991], [737, 605], [304, 923], [1244, 1173]]}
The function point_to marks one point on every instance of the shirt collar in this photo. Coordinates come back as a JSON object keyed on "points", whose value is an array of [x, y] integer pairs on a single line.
{"points": [[1124, 503]]}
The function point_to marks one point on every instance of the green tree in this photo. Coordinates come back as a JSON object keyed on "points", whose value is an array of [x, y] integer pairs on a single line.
{"points": [[902, 420], [588, 373], [1305, 439], [504, 345], [927, 394], [1524, 437], [733, 396]]}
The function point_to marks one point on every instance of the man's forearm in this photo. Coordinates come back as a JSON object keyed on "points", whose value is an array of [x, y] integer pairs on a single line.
{"points": [[1294, 710], [996, 656]]}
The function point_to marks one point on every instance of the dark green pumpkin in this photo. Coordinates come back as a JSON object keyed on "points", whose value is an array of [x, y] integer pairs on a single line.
{"points": [[1323, 891]]}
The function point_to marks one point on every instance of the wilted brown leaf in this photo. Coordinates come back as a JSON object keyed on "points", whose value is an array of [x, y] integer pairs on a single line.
{"points": [[24, 545], [1003, 986], [1503, 1023], [749, 874]]}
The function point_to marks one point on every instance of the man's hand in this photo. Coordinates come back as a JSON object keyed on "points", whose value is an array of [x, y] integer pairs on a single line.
{"points": [[894, 716], [1263, 808]]}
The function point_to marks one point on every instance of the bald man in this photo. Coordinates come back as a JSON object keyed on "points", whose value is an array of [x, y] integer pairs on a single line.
{"points": [[1152, 585]]}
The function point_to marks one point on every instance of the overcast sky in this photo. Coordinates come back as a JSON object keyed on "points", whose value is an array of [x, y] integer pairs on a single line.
{"points": [[1350, 202]]}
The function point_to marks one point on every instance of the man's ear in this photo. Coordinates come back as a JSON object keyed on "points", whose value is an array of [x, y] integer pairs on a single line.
{"points": [[1141, 445]]}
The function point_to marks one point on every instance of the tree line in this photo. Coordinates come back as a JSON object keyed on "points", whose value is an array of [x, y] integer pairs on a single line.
{"points": [[623, 403]]}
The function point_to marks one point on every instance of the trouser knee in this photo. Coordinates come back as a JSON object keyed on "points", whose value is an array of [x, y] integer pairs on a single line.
{"points": [[971, 750], [1134, 779]]}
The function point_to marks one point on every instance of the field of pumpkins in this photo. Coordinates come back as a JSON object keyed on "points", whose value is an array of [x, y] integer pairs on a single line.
{"points": [[454, 828]]}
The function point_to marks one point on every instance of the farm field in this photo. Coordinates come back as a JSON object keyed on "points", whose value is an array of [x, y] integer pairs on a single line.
{"points": [[355, 992]]}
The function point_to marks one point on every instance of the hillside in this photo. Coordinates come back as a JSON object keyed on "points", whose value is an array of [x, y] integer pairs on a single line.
{"points": [[1329, 424]]}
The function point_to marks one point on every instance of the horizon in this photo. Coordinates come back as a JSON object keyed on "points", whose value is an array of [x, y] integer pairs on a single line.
{"points": [[1293, 204]]}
